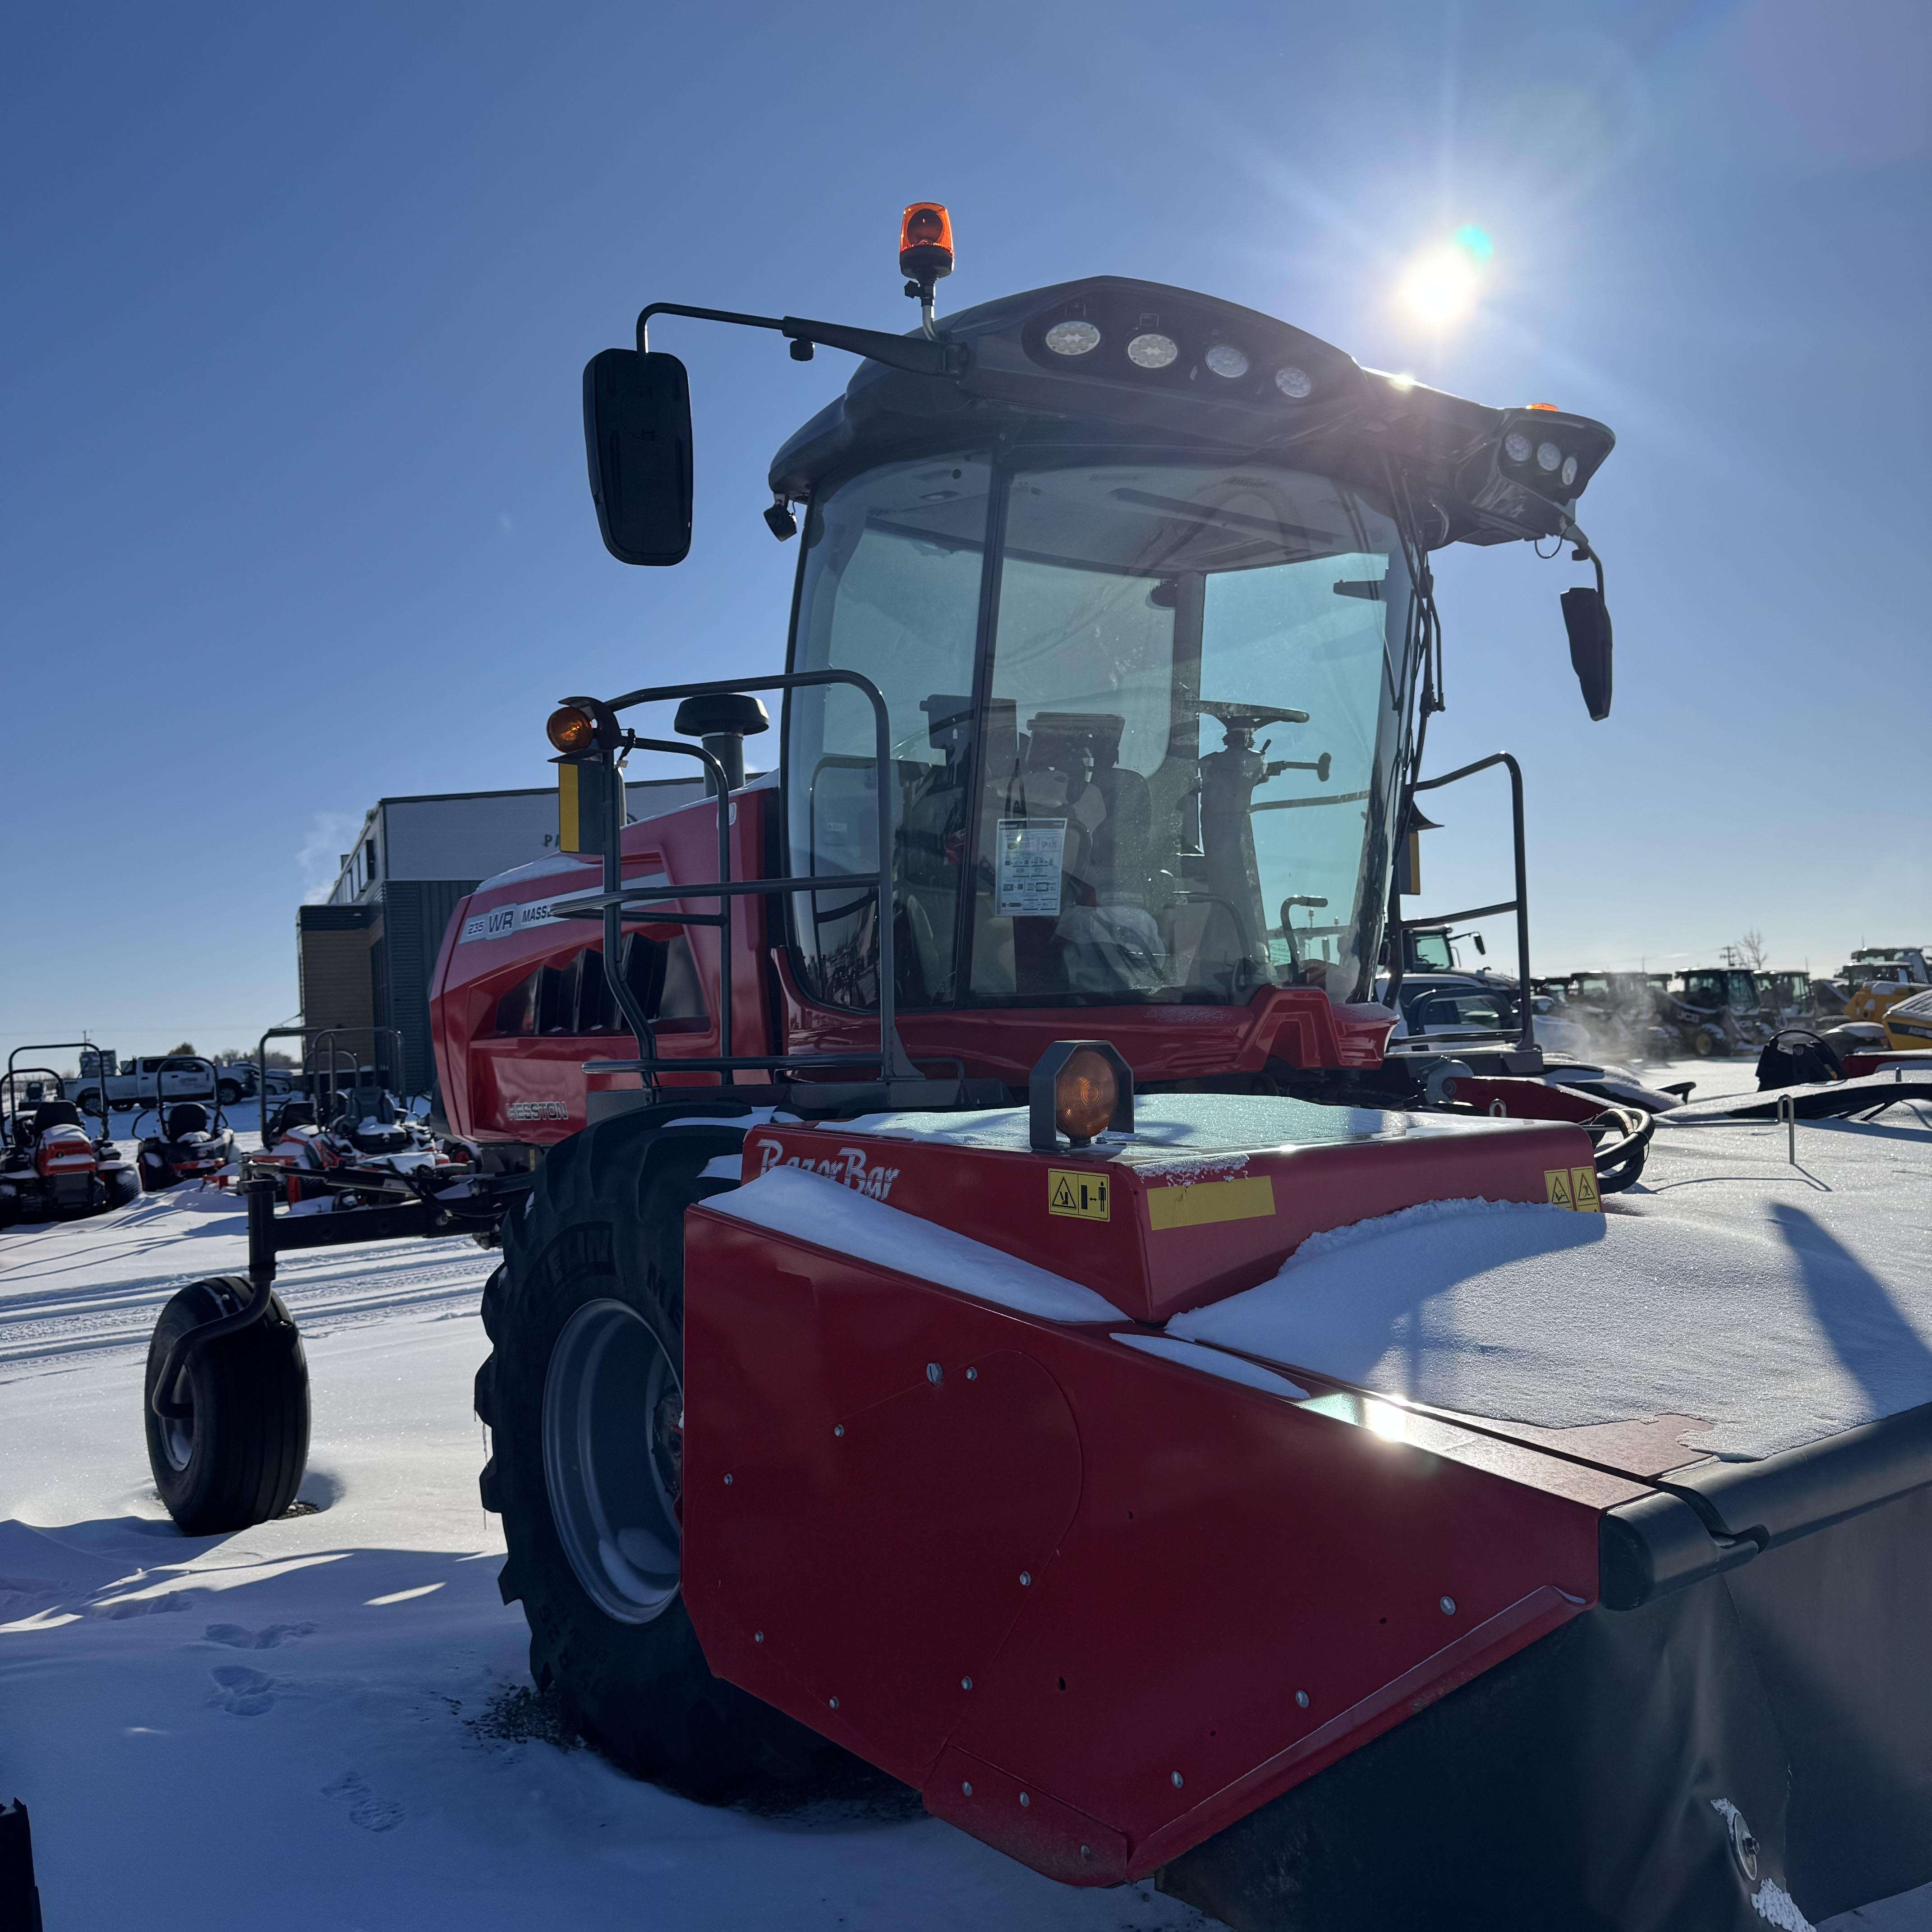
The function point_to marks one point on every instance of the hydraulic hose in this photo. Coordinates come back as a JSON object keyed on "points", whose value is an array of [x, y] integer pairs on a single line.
{"points": [[1620, 1155]]}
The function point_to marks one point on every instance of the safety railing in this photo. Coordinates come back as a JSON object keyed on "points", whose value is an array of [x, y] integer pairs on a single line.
{"points": [[1519, 904], [617, 900]]}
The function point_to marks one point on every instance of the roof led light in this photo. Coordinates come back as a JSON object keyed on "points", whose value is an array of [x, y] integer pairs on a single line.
{"points": [[1294, 382], [1225, 359], [1073, 338], [1152, 350]]}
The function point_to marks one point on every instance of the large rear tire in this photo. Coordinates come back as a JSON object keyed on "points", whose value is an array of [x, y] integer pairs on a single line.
{"points": [[583, 1397], [237, 1460]]}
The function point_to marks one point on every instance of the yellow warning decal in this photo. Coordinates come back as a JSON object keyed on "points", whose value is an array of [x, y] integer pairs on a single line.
{"points": [[1082, 1193], [1211, 1201], [1573, 1187]]}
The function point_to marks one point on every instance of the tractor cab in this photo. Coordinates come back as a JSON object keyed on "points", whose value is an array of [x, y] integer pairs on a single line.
{"points": [[1145, 590], [1112, 651], [1183, 720]]}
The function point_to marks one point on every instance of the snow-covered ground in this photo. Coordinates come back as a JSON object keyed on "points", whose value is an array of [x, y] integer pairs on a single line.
{"points": [[325, 1722]]}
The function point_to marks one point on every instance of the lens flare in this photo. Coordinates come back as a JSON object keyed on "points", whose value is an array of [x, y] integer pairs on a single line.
{"points": [[1440, 287]]}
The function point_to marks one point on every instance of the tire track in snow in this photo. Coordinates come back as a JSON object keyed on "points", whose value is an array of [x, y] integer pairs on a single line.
{"points": [[323, 1288]]}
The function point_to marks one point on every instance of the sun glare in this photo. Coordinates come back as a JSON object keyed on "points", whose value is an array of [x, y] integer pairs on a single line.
{"points": [[1440, 287]]}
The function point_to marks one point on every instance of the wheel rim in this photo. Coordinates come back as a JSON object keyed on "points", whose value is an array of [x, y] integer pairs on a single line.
{"points": [[613, 1442], [178, 1431]]}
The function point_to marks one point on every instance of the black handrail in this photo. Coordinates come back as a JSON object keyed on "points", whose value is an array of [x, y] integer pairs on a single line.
{"points": [[627, 1002], [893, 1062], [1519, 905]]}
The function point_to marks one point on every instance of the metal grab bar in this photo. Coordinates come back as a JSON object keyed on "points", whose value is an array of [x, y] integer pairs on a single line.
{"points": [[1519, 905], [895, 1063]]}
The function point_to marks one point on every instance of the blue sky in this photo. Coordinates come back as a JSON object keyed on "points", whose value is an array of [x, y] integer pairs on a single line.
{"points": [[292, 508]]}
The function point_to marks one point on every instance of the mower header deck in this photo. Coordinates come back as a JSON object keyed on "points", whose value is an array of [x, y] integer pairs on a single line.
{"points": [[1101, 1592], [1208, 1196]]}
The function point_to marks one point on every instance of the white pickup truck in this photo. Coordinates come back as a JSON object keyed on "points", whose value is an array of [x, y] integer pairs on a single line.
{"points": [[180, 1077]]}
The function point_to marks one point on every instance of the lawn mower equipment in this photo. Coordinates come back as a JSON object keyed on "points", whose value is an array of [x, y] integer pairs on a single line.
{"points": [[945, 1146], [346, 1136], [186, 1144], [51, 1167]]}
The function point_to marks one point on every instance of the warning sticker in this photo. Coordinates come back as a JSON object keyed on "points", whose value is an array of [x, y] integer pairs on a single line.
{"points": [[1031, 852], [1206, 1201], [1574, 1187], [1074, 1191]]}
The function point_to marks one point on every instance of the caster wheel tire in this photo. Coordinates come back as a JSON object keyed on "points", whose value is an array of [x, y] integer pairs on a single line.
{"points": [[583, 1395], [237, 1460], [123, 1188]]}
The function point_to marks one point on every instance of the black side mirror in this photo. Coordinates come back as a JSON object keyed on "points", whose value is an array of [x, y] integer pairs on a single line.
{"points": [[1587, 618], [636, 433]]}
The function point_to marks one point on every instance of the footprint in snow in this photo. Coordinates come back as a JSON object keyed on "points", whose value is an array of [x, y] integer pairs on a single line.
{"points": [[243, 1692], [365, 1808], [142, 1606], [237, 1638]]}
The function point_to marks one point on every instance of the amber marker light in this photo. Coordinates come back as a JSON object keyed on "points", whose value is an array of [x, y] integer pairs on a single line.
{"points": [[925, 242], [1082, 1088], [570, 730], [1084, 1093]]}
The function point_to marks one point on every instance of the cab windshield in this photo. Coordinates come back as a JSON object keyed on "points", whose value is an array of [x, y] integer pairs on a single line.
{"points": [[1144, 720]]}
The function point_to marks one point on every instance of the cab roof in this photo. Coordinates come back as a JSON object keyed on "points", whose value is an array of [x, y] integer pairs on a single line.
{"points": [[1147, 367]]}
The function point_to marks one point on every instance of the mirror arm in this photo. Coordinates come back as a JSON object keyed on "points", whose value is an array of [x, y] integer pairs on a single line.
{"points": [[1582, 552], [913, 354]]}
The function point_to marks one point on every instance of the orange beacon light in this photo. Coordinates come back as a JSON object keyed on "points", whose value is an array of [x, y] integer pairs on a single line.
{"points": [[925, 243]]}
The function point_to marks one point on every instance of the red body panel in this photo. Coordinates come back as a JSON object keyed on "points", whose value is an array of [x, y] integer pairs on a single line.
{"points": [[532, 1090], [1136, 1567], [64, 1150], [1913, 1059], [1515, 1099], [1151, 1271], [1296, 1024]]}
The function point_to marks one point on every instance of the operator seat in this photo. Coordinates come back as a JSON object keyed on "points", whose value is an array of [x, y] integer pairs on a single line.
{"points": [[1072, 766], [1123, 841], [290, 1114], [185, 1117], [55, 1113]]}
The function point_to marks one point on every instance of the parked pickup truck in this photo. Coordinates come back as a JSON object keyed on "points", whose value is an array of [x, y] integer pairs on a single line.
{"points": [[180, 1077]]}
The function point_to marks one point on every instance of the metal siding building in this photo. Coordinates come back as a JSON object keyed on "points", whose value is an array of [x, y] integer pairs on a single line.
{"points": [[366, 954]]}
